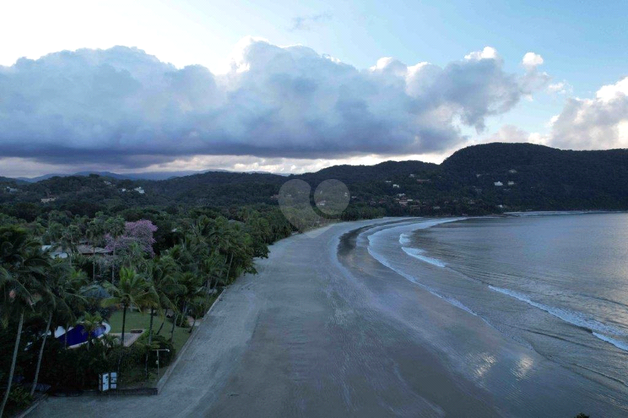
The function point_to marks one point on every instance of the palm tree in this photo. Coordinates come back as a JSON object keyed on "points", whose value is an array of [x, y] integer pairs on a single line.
{"points": [[94, 234], [62, 299], [132, 290], [48, 307], [168, 288], [214, 267], [134, 256], [70, 239], [73, 293], [197, 309], [162, 273], [115, 228], [54, 233], [91, 322], [193, 286], [22, 282]]}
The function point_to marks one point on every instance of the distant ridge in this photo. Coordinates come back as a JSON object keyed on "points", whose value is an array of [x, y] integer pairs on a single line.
{"points": [[155, 175], [488, 178], [151, 175]]}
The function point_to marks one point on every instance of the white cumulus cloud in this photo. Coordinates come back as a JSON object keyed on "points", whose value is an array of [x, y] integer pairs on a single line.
{"points": [[561, 87], [122, 106], [597, 123], [532, 60]]}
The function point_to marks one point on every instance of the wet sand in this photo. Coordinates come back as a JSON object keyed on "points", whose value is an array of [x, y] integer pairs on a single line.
{"points": [[326, 331]]}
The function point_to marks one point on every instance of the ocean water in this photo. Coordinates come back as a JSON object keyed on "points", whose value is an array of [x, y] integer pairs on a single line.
{"points": [[556, 283]]}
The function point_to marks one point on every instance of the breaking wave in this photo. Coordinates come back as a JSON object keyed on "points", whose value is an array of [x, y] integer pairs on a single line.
{"points": [[418, 254], [454, 302], [574, 318], [619, 344], [404, 239]]}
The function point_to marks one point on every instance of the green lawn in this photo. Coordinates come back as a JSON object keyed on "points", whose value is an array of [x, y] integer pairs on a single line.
{"points": [[137, 320]]}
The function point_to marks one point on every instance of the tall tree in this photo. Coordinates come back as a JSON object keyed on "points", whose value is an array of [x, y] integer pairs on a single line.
{"points": [[70, 239], [115, 228], [162, 273], [22, 281], [95, 231], [132, 290], [61, 301], [91, 322]]}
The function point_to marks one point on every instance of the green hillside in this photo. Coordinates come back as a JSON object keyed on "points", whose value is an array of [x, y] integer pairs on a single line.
{"points": [[476, 180]]}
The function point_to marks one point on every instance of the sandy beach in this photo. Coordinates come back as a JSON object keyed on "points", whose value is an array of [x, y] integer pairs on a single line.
{"points": [[325, 330]]}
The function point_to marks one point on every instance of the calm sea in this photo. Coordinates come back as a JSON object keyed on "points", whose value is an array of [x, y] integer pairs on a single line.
{"points": [[555, 283]]}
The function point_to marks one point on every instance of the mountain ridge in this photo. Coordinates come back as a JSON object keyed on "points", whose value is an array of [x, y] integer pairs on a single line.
{"points": [[480, 179]]}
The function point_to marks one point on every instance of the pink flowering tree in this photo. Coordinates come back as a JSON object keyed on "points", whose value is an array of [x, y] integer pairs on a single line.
{"points": [[140, 232]]}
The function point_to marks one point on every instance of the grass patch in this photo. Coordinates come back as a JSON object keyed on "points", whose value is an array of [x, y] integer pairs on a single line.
{"points": [[138, 320]]}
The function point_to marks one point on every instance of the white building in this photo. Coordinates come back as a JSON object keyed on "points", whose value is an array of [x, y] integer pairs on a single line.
{"points": [[498, 184], [55, 252]]}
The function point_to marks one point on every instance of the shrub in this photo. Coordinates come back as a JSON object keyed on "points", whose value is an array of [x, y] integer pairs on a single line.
{"points": [[19, 398]]}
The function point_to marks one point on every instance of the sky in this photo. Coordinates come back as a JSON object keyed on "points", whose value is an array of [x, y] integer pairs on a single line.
{"points": [[285, 87]]}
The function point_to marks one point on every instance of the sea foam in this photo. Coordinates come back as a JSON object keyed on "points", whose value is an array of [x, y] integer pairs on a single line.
{"points": [[574, 318], [404, 239], [454, 302], [418, 254], [619, 344]]}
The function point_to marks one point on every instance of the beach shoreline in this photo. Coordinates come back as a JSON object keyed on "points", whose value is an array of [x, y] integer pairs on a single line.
{"points": [[326, 330]]}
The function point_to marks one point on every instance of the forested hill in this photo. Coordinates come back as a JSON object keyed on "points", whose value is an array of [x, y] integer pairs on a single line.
{"points": [[475, 180], [543, 177]]}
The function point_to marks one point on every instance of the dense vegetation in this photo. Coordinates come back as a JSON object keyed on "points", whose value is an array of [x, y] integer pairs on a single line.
{"points": [[62, 269], [476, 180]]}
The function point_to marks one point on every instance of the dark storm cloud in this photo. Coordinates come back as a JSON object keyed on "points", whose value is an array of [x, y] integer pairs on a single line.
{"points": [[125, 107]]}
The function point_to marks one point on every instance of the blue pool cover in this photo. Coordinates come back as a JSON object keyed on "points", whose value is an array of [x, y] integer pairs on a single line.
{"points": [[78, 335]]}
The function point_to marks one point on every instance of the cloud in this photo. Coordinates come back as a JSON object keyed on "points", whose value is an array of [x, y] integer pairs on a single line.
{"points": [[511, 133], [531, 60], [307, 22], [561, 87], [121, 107], [534, 79], [597, 123], [487, 53]]}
